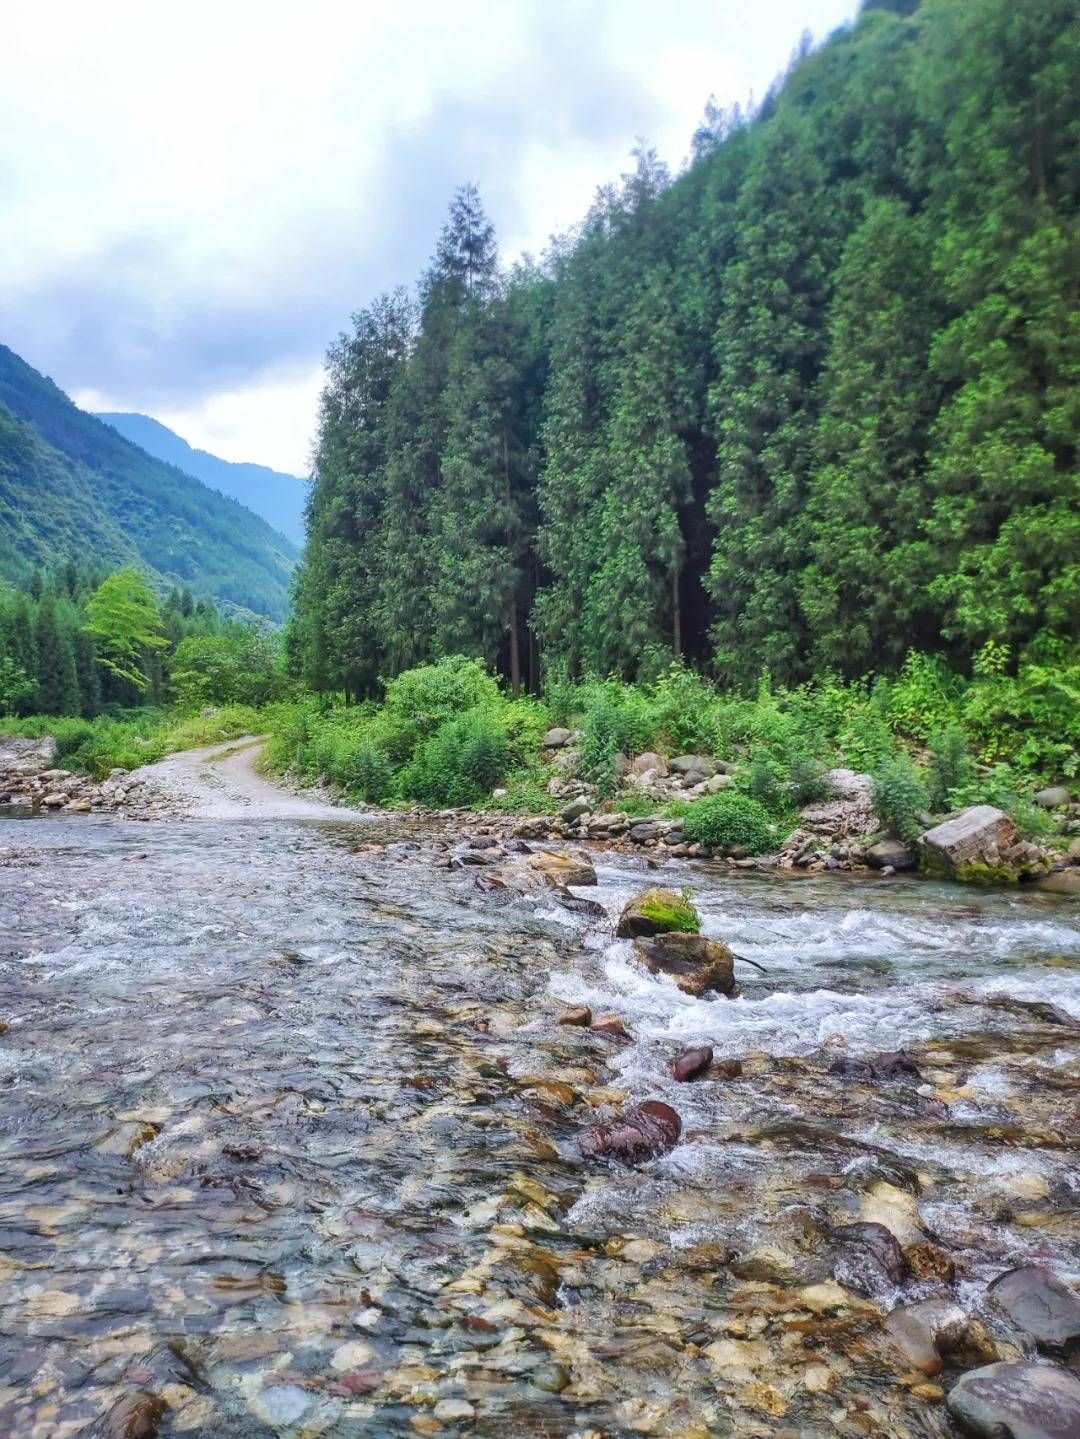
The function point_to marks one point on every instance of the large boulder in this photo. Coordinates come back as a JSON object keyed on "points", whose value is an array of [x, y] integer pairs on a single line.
{"points": [[650, 763], [891, 854], [699, 764], [1017, 1401], [1056, 796], [657, 911], [846, 812], [697, 965], [973, 839], [648, 1129], [1034, 1300]]}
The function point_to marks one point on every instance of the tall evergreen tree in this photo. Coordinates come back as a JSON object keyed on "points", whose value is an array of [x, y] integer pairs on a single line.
{"points": [[58, 685]]}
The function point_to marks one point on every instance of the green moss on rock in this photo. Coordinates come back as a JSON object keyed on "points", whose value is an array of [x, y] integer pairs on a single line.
{"points": [[658, 911]]}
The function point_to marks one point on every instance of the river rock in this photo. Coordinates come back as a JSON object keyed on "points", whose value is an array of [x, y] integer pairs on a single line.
{"points": [[56, 800], [650, 763], [691, 1063], [656, 911], [543, 869], [1061, 881], [870, 1255], [557, 738], [575, 810], [1034, 1299], [1017, 1401], [578, 1015], [891, 853], [135, 1416], [646, 1130], [1055, 796], [975, 837], [698, 965], [923, 1332]]}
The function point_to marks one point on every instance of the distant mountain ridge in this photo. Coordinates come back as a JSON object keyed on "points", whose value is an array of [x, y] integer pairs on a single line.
{"points": [[278, 497], [72, 487]]}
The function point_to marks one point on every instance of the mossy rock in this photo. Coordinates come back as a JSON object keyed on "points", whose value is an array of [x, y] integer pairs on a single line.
{"points": [[657, 911]]}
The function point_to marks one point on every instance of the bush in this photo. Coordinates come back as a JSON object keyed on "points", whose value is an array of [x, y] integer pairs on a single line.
{"points": [[730, 820], [616, 721], [899, 794], [460, 765], [430, 694], [951, 766]]}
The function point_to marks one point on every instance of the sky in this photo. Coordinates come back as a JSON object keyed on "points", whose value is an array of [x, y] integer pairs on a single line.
{"points": [[194, 198]]}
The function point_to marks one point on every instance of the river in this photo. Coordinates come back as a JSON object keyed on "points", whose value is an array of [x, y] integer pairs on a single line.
{"points": [[290, 1135]]}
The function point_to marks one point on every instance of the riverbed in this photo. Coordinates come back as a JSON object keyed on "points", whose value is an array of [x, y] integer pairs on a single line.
{"points": [[290, 1139]]}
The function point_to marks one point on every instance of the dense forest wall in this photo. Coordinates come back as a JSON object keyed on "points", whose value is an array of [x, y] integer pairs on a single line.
{"points": [[808, 405]]}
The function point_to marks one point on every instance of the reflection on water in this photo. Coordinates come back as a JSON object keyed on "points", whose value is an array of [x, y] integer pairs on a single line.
{"points": [[289, 1137]]}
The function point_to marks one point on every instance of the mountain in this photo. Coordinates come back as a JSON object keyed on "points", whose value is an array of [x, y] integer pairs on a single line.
{"points": [[278, 497], [72, 487]]}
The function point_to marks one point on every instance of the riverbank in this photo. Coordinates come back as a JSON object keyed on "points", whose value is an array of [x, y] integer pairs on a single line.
{"points": [[298, 1136]]}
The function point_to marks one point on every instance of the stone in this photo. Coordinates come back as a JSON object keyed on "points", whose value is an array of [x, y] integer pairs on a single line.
{"points": [[650, 763], [79, 806], [575, 810], [847, 783], [646, 1130], [656, 911], [611, 1025], [974, 837], [884, 1204], [715, 783], [55, 800], [699, 764], [691, 1063], [870, 1254], [927, 1262], [698, 965], [134, 1416], [922, 1333], [578, 1015], [891, 852], [1017, 1401], [1036, 1302], [1055, 796], [646, 830], [1061, 881], [543, 869], [557, 738]]}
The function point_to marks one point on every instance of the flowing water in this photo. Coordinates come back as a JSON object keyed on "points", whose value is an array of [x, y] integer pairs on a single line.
{"points": [[289, 1139]]}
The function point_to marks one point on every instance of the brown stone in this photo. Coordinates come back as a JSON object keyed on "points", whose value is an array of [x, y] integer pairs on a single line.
{"points": [[642, 1132], [697, 965]]}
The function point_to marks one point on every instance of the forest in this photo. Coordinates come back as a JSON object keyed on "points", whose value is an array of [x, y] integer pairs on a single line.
{"points": [[804, 407]]}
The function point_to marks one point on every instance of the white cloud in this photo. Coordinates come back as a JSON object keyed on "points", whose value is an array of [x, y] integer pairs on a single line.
{"points": [[194, 198]]}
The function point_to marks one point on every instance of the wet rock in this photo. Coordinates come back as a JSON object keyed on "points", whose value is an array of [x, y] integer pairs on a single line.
{"points": [[551, 1378], [871, 1255], [612, 1025], [1036, 1302], [691, 1063], [885, 1204], [895, 1065], [579, 1015], [893, 853], [656, 911], [926, 1261], [589, 908], [974, 837], [726, 1069], [1061, 881], [543, 869], [1017, 1401], [697, 965], [557, 738], [135, 1416], [923, 1333], [642, 1132]]}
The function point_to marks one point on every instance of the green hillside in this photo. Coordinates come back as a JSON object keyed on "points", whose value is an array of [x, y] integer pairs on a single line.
{"points": [[72, 488]]}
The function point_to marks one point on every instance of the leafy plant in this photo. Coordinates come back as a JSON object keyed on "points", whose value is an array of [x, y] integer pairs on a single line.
{"points": [[730, 820], [899, 795]]}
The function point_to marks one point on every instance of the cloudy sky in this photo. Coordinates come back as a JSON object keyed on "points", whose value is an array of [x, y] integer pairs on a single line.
{"points": [[193, 198]]}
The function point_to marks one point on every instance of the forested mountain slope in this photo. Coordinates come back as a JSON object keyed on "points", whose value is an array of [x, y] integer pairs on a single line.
{"points": [[807, 405], [277, 497], [71, 488]]}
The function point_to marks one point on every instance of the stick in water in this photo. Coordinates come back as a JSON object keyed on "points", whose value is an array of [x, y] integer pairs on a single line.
{"points": [[743, 960]]}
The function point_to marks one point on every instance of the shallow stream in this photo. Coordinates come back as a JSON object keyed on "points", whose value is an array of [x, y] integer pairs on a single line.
{"points": [[289, 1138]]}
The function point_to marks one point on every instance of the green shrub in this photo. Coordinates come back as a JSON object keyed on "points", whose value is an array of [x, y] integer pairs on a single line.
{"points": [[460, 765], [899, 794], [430, 694], [730, 820], [366, 774], [951, 766]]}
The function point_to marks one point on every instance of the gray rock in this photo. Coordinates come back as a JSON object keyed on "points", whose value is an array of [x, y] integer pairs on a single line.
{"points": [[1062, 881], [54, 801], [976, 836], [650, 763], [557, 738], [1039, 1305], [699, 764], [923, 1332], [575, 809], [891, 852], [1054, 797], [847, 783], [644, 831], [1017, 1401]]}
